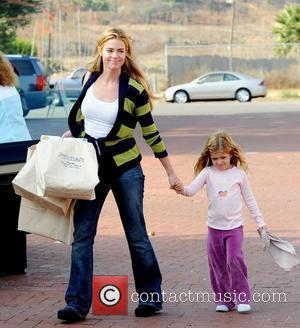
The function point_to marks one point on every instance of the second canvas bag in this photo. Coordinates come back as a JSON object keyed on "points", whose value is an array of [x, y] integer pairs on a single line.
{"points": [[42, 221], [66, 167], [25, 185]]}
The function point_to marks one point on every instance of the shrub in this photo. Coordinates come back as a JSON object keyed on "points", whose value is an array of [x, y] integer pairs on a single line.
{"points": [[20, 46]]}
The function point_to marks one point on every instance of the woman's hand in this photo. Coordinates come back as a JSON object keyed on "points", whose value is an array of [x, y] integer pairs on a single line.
{"points": [[67, 134], [175, 183]]}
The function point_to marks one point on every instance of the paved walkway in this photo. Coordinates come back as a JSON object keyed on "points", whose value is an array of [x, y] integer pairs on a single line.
{"points": [[179, 233]]}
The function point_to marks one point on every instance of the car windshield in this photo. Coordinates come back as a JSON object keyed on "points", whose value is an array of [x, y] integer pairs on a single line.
{"points": [[78, 74], [40, 65]]}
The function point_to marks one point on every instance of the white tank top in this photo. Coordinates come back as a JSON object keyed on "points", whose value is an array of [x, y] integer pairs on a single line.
{"points": [[99, 116]]}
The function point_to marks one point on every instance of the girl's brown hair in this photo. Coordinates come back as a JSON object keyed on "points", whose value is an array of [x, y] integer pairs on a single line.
{"points": [[7, 74], [220, 141], [130, 66]]}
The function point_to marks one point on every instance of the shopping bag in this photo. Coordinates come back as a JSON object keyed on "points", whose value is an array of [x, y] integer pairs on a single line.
{"points": [[66, 167], [25, 186], [282, 251], [39, 220]]}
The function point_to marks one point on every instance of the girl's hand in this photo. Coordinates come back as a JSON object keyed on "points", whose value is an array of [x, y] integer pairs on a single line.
{"points": [[180, 192], [264, 236], [260, 229], [67, 134]]}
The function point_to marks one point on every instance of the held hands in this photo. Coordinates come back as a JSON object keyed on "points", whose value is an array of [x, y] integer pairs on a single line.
{"points": [[180, 191], [175, 182]]}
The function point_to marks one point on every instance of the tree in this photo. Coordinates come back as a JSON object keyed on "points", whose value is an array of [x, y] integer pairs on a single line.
{"points": [[287, 29], [93, 4], [14, 14], [21, 46]]}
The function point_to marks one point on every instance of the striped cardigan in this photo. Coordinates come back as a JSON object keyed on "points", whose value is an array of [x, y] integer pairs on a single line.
{"points": [[119, 149]]}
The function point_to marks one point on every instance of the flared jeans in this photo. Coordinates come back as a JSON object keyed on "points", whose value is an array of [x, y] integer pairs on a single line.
{"points": [[128, 190]]}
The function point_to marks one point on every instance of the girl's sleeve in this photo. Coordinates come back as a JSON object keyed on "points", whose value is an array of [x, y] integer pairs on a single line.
{"points": [[149, 129], [251, 202], [196, 184]]}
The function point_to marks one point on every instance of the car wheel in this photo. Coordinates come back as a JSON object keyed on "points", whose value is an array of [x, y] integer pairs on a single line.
{"points": [[181, 97], [243, 95]]}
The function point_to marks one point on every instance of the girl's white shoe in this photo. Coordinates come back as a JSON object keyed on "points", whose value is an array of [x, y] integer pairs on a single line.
{"points": [[222, 308], [243, 308]]}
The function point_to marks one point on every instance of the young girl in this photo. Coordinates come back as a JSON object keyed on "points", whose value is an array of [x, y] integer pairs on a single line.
{"points": [[221, 167]]}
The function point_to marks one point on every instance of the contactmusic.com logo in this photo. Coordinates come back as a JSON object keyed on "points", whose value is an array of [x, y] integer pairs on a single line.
{"points": [[110, 295]]}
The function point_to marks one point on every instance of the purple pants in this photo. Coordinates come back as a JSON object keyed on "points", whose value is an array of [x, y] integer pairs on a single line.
{"points": [[228, 271]]}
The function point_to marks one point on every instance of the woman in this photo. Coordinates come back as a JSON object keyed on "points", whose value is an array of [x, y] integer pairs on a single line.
{"points": [[12, 124], [115, 96]]}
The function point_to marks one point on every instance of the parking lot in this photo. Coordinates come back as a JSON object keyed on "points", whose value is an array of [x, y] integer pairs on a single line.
{"points": [[177, 228]]}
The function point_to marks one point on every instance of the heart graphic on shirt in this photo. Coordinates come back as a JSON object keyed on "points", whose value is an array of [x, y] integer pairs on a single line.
{"points": [[222, 193]]}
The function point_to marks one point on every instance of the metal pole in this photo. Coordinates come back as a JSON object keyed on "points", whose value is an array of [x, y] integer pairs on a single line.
{"points": [[42, 33], [231, 32], [78, 34], [60, 40], [33, 39], [49, 51], [166, 65], [298, 62]]}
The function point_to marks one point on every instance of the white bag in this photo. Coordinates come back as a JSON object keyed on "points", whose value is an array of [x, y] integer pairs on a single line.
{"points": [[38, 220], [25, 185], [282, 251], [66, 168]]}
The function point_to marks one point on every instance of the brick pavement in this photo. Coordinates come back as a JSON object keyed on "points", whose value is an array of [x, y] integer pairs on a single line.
{"points": [[31, 300]]}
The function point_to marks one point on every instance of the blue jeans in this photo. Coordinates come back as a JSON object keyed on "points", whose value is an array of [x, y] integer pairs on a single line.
{"points": [[128, 190]]}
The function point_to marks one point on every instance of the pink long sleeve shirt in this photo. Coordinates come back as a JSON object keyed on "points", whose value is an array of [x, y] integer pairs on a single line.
{"points": [[226, 191]]}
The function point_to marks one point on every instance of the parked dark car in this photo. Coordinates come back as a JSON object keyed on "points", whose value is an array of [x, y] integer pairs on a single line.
{"points": [[32, 81]]}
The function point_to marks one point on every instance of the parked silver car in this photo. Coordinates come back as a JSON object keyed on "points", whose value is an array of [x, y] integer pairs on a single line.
{"points": [[71, 84], [218, 85]]}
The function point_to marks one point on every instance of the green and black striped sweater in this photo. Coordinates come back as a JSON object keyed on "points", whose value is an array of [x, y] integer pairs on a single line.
{"points": [[119, 149]]}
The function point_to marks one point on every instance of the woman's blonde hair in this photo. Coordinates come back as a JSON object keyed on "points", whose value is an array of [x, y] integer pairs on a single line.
{"points": [[220, 142], [130, 66], [7, 74]]}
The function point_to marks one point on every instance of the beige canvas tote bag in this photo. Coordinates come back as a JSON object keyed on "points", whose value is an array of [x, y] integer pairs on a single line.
{"points": [[66, 167], [282, 251], [39, 220], [25, 186]]}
